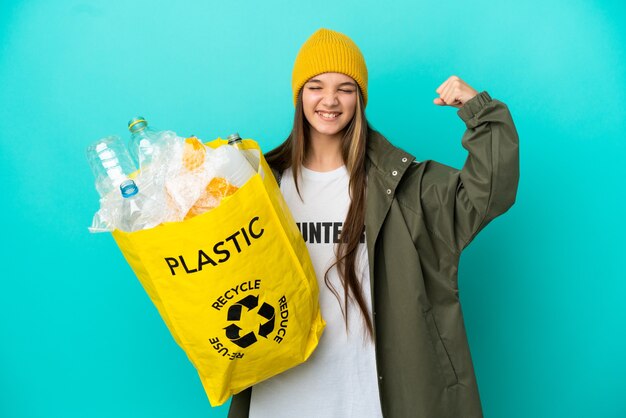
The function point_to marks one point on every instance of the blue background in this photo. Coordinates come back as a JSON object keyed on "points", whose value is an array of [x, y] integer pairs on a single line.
{"points": [[542, 287]]}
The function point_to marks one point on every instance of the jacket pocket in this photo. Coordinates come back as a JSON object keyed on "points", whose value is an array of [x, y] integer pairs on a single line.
{"points": [[446, 368]]}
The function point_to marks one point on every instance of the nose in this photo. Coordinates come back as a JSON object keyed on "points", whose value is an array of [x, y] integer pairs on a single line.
{"points": [[330, 99]]}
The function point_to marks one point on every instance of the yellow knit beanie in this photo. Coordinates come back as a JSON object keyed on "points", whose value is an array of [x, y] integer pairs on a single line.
{"points": [[329, 51]]}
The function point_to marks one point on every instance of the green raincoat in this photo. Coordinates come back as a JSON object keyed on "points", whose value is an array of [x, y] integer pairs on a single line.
{"points": [[419, 217]]}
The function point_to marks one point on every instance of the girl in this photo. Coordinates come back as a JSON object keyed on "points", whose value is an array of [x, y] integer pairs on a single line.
{"points": [[385, 234]]}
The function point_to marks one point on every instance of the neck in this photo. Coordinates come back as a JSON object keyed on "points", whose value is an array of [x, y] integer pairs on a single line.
{"points": [[324, 152]]}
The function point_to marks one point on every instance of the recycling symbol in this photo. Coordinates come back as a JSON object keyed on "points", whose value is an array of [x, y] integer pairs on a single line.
{"points": [[233, 331]]}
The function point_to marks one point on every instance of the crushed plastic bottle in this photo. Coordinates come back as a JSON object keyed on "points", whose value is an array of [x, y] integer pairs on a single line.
{"points": [[137, 211], [110, 163], [231, 164], [162, 165], [143, 141], [251, 155], [111, 166]]}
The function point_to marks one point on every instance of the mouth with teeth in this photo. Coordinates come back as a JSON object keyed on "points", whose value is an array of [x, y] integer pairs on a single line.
{"points": [[328, 115]]}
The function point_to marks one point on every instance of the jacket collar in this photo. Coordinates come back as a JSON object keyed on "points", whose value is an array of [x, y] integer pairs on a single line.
{"points": [[386, 159], [385, 165]]}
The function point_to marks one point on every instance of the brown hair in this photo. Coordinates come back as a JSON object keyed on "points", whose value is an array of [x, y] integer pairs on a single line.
{"points": [[292, 153]]}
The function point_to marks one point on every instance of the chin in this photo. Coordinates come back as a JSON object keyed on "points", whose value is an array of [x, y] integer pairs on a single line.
{"points": [[328, 131]]}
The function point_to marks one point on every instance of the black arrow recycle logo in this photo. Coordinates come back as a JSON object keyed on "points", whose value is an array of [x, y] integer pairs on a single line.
{"points": [[234, 314]]}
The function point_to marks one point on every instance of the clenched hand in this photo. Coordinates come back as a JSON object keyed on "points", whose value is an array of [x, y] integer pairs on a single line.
{"points": [[454, 92]]}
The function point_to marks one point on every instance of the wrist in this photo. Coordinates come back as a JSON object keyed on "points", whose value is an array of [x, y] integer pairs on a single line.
{"points": [[474, 105]]}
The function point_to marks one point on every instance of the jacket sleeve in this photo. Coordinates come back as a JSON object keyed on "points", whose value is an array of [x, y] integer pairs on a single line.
{"points": [[457, 204]]}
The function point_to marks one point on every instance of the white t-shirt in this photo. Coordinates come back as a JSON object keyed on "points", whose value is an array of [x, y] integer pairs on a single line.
{"points": [[340, 378]]}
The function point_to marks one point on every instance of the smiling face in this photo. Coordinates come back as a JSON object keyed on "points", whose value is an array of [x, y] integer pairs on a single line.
{"points": [[329, 103]]}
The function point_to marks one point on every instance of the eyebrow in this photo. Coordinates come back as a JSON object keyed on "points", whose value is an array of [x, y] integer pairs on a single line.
{"points": [[347, 83]]}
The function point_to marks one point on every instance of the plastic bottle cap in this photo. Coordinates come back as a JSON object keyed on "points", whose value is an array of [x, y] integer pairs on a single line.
{"points": [[233, 138], [129, 188], [137, 123]]}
